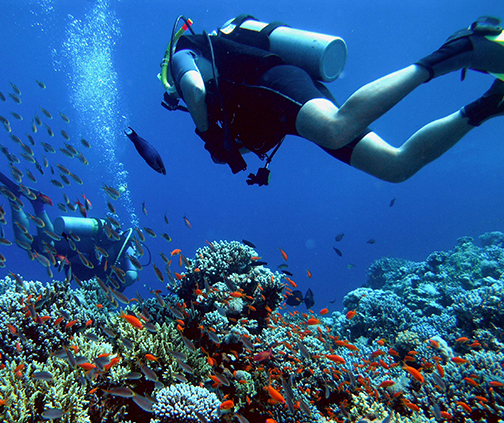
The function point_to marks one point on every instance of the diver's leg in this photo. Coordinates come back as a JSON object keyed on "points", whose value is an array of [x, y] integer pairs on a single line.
{"points": [[375, 157], [19, 216], [322, 122], [42, 235]]}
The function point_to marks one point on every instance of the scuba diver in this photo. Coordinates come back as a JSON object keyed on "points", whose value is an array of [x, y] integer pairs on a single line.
{"points": [[251, 84], [83, 246]]}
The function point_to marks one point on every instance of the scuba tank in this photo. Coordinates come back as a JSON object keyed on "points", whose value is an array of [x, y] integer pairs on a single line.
{"points": [[322, 56], [80, 226]]}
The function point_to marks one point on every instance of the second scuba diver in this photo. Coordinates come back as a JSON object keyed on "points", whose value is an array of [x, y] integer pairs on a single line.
{"points": [[85, 247]]}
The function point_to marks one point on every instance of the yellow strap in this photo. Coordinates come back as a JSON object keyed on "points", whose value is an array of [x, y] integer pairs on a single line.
{"points": [[498, 76], [499, 38]]}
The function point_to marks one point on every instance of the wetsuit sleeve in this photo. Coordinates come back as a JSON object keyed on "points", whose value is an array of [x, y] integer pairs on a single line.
{"points": [[183, 62]]}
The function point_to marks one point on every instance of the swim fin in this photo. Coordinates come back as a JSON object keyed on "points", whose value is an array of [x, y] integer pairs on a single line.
{"points": [[490, 105], [472, 48]]}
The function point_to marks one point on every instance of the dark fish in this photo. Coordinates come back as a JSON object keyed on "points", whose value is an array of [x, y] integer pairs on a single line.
{"points": [[258, 263], [248, 243], [392, 202], [295, 299], [371, 241], [287, 272], [339, 237], [15, 98], [338, 252], [42, 376], [85, 143], [52, 414], [308, 299], [144, 209], [147, 151], [143, 402]]}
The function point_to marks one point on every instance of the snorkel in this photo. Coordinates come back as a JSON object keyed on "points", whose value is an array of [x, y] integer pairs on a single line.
{"points": [[166, 62]]}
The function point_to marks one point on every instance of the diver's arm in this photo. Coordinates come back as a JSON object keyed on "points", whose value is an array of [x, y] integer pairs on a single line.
{"points": [[194, 93], [191, 87]]}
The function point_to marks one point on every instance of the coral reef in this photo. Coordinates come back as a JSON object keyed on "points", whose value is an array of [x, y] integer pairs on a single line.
{"points": [[424, 343], [184, 403]]}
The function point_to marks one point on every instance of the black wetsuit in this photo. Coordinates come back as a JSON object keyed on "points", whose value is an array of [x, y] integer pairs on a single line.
{"points": [[261, 95]]}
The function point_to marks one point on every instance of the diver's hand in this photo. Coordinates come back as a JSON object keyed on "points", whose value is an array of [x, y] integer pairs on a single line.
{"points": [[214, 144]]}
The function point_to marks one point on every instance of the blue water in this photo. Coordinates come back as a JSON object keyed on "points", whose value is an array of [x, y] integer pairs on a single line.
{"points": [[99, 60]]}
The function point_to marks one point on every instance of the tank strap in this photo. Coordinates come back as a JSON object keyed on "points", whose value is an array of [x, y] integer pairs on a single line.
{"points": [[268, 29], [123, 246]]}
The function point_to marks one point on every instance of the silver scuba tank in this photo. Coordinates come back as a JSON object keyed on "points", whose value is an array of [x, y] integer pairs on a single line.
{"points": [[322, 56], [80, 226]]}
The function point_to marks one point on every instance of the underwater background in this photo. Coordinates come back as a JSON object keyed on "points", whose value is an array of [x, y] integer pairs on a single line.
{"points": [[99, 61]]}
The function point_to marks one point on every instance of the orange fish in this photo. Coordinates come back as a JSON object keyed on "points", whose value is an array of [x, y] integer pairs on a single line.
{"points": [[312, 321], [226, 405], [151, 357], [70, 324], [415, 373], [263, 355], [433, 343], [470, 381], [351, 314], [324, 311], [464, 406], [459, 360], [386, 384], [87, 366], [496, 384], [309, 273], [336, 358], [132, 320], [176, 251], [284, 255], [440, 369], [277, 396]]}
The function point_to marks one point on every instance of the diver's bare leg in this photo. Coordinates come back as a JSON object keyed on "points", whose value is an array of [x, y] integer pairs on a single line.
{"points": [[42, 235], [374, 156], [322, 122]]}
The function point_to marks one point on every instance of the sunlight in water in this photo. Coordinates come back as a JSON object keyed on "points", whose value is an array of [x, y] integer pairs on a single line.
{"points": [[94, 89]]}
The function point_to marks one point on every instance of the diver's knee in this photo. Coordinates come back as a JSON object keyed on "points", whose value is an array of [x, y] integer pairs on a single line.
{"points": [[398, 174]]}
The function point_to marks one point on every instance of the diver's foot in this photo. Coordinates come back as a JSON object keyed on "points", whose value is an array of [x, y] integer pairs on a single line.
{"points": [[37, 199], [10, 185], [480, 48], [490, 105]]}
